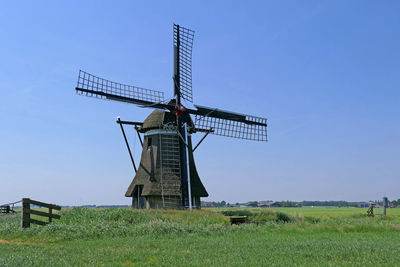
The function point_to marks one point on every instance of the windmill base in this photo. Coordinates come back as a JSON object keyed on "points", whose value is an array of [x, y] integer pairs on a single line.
{"points": [[158, 202]]}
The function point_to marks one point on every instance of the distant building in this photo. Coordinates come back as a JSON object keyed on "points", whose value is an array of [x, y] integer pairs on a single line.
{"points": [[269, 204], [252, 204]]}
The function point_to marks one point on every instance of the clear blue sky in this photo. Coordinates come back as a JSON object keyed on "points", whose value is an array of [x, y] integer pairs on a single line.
{"points": [[325, 74]]}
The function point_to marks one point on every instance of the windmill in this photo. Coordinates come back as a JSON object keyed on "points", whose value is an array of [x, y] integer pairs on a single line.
{"points": [[166, 176]]}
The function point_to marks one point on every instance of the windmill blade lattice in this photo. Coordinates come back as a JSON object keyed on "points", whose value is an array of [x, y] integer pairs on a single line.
{"points": [[183, 39], [167, 176], [229, 124], [93, 86]]}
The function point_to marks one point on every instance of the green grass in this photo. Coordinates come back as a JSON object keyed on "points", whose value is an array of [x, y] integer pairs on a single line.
{"points": [[119, 237]]}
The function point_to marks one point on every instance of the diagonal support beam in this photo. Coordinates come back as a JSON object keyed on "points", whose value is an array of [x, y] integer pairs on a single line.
{"points": [[204, 137], [126, 142], [138, 134]]}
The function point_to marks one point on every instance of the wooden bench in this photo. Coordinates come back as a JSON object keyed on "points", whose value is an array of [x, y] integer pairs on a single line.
{"points": [[238, 219]]}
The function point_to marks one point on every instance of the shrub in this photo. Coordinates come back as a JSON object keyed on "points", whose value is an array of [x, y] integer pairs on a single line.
{"points": [[312, 219], [262, 217], [282, 217], [237, 213]]}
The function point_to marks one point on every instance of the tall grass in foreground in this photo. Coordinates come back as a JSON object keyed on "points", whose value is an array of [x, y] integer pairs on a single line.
{"points": [[83, 223], [279, 237]]}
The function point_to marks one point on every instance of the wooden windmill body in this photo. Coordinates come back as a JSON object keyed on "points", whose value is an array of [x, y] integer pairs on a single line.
{"points": [[157, 183], [166, 176]]}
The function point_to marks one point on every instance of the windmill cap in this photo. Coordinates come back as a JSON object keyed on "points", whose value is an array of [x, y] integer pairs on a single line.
{"points": [[158, 118]]}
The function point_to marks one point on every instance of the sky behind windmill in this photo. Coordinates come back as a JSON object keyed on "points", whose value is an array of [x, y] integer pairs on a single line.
{"points": [[324, 73]]}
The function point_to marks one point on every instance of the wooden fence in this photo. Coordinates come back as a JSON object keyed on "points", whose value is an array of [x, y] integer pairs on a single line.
{"points": [[26, 219], [8, 209]]}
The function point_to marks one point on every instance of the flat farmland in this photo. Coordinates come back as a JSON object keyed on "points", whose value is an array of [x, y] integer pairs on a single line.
{"points": [[273, 237], [330, 212], [337, 212]]}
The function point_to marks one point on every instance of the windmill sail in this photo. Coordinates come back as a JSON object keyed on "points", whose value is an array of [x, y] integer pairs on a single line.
{"points": [[230, 124], [93, 86], [166, 176], [183, 44]]}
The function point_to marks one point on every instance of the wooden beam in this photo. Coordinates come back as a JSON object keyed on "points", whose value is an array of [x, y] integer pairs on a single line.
{"points": [[140, 138], [45, 214], [127, 144], [26, 213], [42, 204], [129, 122], [200, 141], [38, 222]]}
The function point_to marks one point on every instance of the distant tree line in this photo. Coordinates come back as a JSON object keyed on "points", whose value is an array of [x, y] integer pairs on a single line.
{"points": [[396, 203], [330, 203], [305, 203], [213, 204], [289, 204]]}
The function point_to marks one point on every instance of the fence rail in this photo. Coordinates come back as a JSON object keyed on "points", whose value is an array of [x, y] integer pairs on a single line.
{"points": [[26, 219], [8, 209]]}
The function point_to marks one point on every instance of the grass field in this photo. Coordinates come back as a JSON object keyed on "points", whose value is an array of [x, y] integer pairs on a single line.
{"points": [[280, 237]]}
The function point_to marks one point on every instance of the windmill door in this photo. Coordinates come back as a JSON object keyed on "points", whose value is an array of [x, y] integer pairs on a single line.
{"points": [[140, 200]]}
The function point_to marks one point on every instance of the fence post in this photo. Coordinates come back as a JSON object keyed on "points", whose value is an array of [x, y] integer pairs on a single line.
{"points": [[26, 213], [50, 212]]}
